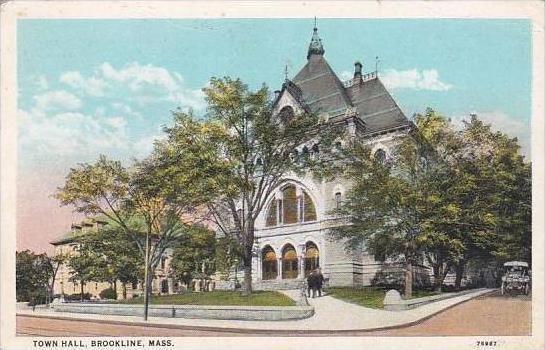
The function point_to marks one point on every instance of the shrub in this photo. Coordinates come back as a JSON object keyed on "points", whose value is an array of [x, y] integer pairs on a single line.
{"points": [[108, 293], [77, 297]]}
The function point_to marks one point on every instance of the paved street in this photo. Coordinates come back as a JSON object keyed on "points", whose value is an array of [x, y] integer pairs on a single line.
{"points": [[486, 315]]}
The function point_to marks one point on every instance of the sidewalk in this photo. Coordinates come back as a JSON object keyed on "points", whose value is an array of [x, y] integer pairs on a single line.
{"points": [[330, 315]]}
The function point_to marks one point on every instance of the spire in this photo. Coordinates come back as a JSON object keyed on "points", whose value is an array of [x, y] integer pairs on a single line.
{"points": [[315, 47]]}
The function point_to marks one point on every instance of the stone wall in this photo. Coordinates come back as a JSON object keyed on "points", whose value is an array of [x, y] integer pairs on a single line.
{"points": [[249, 313]]}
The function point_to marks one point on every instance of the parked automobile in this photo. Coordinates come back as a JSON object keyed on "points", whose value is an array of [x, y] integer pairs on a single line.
{"points": [[516, 278]]}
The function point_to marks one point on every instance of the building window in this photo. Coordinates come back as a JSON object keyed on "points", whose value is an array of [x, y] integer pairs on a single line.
{"points": [[290, 263], [309, 212], [286, 114], [272, 214], [380, 156], [338, 200], [312, 258], [270, 266], [163, 262], [290, 205], [291, 209]]}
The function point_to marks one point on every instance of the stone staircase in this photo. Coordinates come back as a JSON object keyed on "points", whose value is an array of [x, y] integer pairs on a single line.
{"points": [[279, 284]]}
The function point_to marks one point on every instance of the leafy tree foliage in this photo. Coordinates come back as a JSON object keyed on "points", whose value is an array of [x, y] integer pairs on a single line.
{"points": [[33, 273], [448, 195], [237, 157], [194, 252], [137, 200], [113, 256]]}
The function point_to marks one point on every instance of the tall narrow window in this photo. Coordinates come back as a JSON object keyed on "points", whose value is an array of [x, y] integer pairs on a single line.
{"points": [[271, 214], [309, 210], [290, 205], [338, 200]]}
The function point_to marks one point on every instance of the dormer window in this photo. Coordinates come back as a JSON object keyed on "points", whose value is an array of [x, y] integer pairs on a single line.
{"points": [[380, 156]]}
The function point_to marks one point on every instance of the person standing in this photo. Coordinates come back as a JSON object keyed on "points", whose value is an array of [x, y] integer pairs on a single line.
{"points": [[311, 283], [319, 281]]}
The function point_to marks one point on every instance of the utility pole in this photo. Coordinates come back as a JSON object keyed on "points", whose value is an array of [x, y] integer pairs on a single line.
{"points": [[146, 278]]}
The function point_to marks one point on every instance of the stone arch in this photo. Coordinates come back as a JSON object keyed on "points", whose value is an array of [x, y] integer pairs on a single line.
{"points": [[286, 114], [269, 263], [311, 257], [292, 203], [290, 262]]}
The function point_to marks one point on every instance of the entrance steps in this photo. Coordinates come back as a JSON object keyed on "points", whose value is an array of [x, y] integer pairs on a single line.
{"points": [[284, 284]]}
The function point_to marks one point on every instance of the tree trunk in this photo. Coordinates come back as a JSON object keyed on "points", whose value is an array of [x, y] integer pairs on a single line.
{"points": [[460, 269], [247, 283], [81, 287], [115, 288], [124, 290], [408, 280]]}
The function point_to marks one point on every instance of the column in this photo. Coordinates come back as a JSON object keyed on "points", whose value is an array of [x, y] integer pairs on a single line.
{"points": [[279, 276]]}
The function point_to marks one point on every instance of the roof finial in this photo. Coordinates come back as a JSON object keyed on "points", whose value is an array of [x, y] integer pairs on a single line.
{"points": [[376, 64], [316, 47], [286, 72]]}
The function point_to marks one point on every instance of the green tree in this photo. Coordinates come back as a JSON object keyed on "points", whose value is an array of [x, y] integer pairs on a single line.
{"points": [[33, 273], [245, 150], [137, 201], [195, 249], [115, 256]]}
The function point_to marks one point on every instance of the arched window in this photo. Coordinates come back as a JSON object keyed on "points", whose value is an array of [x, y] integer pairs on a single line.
{"points": [[380, 156], [315, 149], [270, 266], [305, 153], [290, 263], [312, 258], [272, 214], [290, 205], [291, 208], [286, 114]]}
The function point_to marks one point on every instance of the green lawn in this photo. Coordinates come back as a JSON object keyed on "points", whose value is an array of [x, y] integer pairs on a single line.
{"points": [[369, 296], [260, 298]]}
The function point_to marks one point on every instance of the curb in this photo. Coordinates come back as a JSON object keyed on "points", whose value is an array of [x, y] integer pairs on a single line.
{"points": [[279, 332]]}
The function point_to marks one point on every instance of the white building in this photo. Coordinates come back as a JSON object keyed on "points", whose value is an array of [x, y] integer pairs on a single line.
{"points": [[292, 232]]}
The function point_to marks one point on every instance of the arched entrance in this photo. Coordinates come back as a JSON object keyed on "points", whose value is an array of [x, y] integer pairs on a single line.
{"points": [[270, 266], [312, 257], [290, 267]]}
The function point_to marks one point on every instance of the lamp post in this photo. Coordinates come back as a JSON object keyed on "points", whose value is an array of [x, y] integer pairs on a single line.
{"points": [[236, 274]]}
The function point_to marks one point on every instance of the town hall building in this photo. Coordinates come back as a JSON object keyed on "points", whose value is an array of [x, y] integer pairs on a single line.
{"points": [[292, 232]]}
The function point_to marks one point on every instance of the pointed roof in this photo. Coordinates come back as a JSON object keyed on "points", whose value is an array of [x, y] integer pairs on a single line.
{"points": [[375, 106], [318, 87], [322, 90], [315, 47]]}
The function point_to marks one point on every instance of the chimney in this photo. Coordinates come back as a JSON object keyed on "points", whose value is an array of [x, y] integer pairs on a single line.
{"points": [[357, 69]]}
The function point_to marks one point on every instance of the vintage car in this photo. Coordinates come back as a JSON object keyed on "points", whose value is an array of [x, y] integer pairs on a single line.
{"points": [[516, 278]]}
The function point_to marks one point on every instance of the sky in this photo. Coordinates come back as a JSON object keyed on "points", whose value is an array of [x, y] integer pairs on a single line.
{"points": [[90, 87]]}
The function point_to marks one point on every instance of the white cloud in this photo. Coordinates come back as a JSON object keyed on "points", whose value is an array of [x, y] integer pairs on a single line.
{"points": [[346, 75], [57, 100], [427, 79], [93, 86], [500, 121], [149, 83], [70, 133]]}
